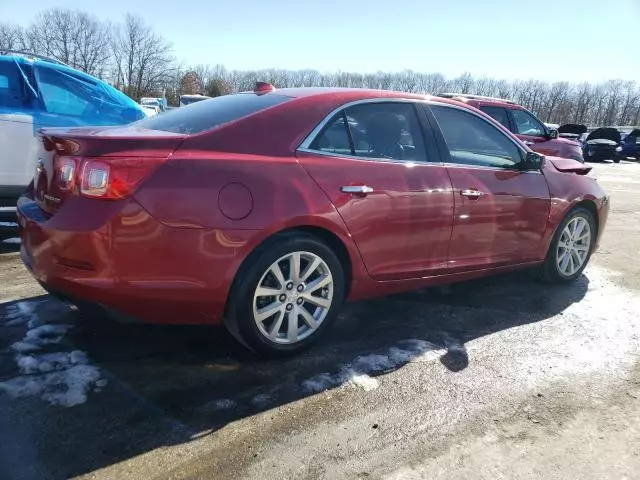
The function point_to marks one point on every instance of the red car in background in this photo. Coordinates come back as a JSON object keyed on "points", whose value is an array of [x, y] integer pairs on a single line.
{"points": [[524, 124], [265, 210]]}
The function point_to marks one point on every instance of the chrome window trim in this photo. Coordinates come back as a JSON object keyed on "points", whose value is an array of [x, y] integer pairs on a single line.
{"points": [[308, 140]]}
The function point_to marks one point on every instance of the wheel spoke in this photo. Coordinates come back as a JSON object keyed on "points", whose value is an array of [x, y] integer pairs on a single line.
{"points": [[273, 332], [294, 267], [564, 263], [312, 267], [267, 291], [571, 265], [265, 312], [319, 282], [319, 301], [308, 318], [292, 330], [580, 227], [277, 272], [581, 248]]}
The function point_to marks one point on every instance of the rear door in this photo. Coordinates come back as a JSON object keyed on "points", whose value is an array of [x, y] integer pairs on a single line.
{"points": [[380, 171], [501, 211]]}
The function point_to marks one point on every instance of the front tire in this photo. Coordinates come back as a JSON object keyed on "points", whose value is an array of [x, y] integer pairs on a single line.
{"points": [[287, 295], [571, 247]]}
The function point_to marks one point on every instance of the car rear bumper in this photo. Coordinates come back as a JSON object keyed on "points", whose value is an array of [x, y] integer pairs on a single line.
{"points": [[116, 256]]}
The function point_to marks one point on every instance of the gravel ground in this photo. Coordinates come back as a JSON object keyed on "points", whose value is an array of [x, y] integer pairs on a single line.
{"points": [[497, 378]]}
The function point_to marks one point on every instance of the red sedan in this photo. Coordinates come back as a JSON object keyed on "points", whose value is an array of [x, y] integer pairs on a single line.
{"points": [[265, 210]]}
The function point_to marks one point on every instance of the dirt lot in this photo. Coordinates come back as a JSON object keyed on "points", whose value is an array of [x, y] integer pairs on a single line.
{"points": [[499, 378]]}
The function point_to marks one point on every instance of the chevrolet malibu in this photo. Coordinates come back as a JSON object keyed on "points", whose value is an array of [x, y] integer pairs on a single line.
{"points": [[265, 210]]}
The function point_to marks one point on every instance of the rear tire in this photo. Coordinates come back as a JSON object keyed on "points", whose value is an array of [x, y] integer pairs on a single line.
{"points": [[277, 309], [571, 247]]}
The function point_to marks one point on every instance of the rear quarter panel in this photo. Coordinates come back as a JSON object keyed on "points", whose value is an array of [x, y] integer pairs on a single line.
{"points": [[217, 192]]}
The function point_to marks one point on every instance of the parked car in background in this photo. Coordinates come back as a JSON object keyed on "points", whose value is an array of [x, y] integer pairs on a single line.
{"points": [[601, 144], [524, 124], [263, 211], [38, 92], [189, 99], [159, 102], [572, 131], [150, 110], [630, 145]]}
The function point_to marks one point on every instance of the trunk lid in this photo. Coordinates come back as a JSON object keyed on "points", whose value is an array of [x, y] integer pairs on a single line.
{"points": [[61, 151]]}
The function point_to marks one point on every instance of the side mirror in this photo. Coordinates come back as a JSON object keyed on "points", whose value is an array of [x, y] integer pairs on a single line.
{"points": [[533, 161], [553, 134]]}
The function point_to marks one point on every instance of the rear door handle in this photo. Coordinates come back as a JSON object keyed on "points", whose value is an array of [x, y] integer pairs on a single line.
{"points": [[356, 189], [528, 142], [471, 193]]}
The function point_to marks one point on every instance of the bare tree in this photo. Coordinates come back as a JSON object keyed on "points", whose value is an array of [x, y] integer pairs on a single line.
{"points": [[11, 37], [142, 59], [73, 37]]}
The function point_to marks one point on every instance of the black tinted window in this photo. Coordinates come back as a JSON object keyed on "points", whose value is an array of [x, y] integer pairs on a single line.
{"points": [[386, 130], [334, 138], [12, 92], [474, 141], [211, 113], [497, 113]]}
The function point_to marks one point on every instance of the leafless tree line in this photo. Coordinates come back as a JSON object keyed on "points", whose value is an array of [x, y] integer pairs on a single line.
{"points": [[140, 62]]}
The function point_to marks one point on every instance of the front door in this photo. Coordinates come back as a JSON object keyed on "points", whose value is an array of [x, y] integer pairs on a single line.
{"points": [[501, 210], [374, 164]]}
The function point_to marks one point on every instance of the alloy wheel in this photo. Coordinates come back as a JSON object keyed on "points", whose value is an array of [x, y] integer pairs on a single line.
{"points": [[293, 297], [573, 246]]}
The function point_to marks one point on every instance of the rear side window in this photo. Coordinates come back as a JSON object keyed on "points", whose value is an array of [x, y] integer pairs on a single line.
{"points": [[211, 113], [497, 113], [12, 92], [385, 130]]}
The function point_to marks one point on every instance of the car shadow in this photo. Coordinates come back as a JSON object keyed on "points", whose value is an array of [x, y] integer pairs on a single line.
{"points": [[170, 384]]}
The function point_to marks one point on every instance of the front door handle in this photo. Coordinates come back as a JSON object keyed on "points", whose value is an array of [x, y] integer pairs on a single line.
{"points": [[528, 142], [356, 189], [471, 193]]}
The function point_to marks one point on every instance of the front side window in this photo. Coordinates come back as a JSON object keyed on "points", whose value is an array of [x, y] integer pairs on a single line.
{"points": [[497, 113], [383, 130], [474, 141], [527, 124]]}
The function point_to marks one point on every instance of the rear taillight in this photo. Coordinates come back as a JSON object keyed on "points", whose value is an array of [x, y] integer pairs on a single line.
{"points": [[110, 178], [66, 173]]}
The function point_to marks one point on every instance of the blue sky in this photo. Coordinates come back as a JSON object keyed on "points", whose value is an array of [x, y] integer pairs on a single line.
{"points": [[552, 40]]}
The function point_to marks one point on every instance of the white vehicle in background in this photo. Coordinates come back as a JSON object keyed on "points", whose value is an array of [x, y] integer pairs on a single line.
{"points": [[189, 99], [159, 102], [150, 110]]}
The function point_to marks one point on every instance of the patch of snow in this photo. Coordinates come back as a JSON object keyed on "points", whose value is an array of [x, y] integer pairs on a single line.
{"points": [[357, 372], [14, 240], [60, 378], [261, 400], [364, 381], [224, 404], [9, 224]]}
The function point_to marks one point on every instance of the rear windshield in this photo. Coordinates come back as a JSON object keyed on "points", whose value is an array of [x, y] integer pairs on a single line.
{"points": [[211, 113]]}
